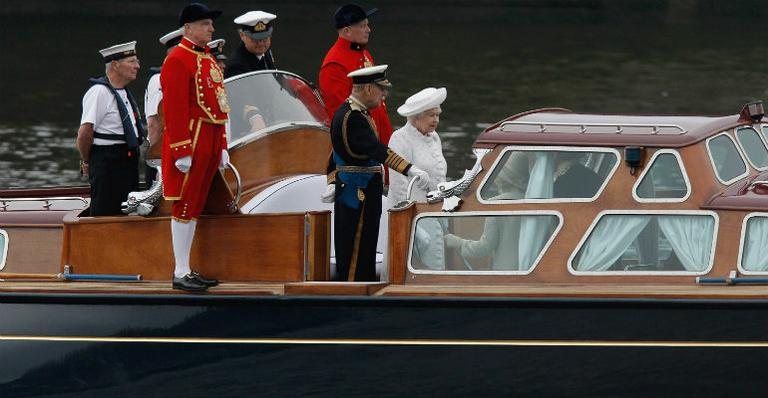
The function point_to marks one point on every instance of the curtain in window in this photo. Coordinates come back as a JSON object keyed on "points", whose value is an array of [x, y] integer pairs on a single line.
{"points": [[690, 238], [535, 231], [755, 257], [609, 240], [499, 239], [428, 243]]}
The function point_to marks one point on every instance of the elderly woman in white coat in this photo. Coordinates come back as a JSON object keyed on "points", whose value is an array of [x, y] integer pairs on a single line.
{"points": [[419, 143]]}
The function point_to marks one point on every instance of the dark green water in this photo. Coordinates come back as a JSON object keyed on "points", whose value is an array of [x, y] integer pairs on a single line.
{"points": [[496, 58]]}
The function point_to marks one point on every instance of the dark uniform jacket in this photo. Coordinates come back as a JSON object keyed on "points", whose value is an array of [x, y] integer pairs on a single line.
{"points": [[243, 61]]}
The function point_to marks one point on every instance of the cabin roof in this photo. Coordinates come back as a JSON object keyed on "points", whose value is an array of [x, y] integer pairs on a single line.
{"points": [[558, 126]]}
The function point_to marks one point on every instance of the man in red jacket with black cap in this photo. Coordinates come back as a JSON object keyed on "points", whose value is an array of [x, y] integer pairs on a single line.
{"points": [[194, 140]]}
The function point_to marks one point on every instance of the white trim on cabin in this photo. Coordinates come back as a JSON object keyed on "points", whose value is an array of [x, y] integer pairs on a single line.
{"points": [[646, 273], [548, 149], [741, 244], [712, 160], [4, 249], [744, 150], [650, 165], [544, 249]]}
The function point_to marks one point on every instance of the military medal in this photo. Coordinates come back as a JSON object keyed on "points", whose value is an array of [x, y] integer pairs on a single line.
{"points": [[216, 75]]}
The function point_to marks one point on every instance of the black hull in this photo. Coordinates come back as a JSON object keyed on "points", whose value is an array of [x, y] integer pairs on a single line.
{"points": [[202, 346]]}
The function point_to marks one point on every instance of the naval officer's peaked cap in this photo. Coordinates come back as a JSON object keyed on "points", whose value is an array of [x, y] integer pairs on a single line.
{"points": [[372, 74], [350, 14], [195, 12], [118, 51], [171, 39], [256, 24]]}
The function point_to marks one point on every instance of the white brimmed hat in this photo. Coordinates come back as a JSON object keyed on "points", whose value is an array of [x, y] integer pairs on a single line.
{"points": [[425, 99], [171, 39], [256, 24], [372, 74], [118, 51], [217, 48]]}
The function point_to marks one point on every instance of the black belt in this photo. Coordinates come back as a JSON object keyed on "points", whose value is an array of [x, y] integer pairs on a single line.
{"points": [[109, 137]]}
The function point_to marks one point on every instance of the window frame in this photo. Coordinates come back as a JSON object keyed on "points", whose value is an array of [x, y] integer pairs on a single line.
{"points": [[603, 213], [744, 223], [680, 163], [531, 148], [743, 150], [712, 159], [4, 249], [411, 240]]}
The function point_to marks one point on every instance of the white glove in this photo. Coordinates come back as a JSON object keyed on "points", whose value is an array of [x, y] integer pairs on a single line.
{"points": [[329, 195], [224, 159], [452, 241], [422, 178], [184, 164]]}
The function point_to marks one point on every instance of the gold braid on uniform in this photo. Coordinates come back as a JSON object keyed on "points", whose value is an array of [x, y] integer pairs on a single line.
{"points": [[331, 177], [344, 135], [395, 162]]}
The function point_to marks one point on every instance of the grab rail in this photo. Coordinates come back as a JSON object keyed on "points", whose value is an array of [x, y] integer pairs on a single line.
{"points": [[47, 202], [655, 128]]}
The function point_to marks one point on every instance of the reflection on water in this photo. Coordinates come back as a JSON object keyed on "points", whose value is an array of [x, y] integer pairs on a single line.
{"points": [[496, 58]]}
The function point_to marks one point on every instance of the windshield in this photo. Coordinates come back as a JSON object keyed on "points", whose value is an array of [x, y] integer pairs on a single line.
{"points": [[262, 100]]}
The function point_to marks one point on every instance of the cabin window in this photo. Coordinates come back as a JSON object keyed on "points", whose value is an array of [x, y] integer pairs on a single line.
{"points": [[753, 146], [753, 257], [664, 180], [481, 243], [662, 242], [726, 159], [3, 248], [549, 174]]}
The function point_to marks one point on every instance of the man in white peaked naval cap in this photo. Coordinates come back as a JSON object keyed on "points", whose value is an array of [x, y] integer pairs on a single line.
{"points": [[111, 131], [255, 49], [357, 178], [153, 109], [217, 52]]}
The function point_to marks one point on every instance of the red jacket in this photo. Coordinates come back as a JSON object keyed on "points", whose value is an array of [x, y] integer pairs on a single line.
{"points": [[193, 100], [335, 87]]}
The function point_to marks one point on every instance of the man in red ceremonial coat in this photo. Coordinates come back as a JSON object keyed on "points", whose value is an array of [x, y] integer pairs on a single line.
{"points": [[348, 54], [194, 140]]}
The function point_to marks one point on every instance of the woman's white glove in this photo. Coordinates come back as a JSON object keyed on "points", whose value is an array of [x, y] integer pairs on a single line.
{"points": [[452, 241], [329, 195], [224, 159], [184, 164], [421, 176]]}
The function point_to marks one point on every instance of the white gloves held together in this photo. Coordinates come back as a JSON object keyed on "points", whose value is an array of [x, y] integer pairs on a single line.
{"points": [[421, 176], [329, 194], [185, 163]]}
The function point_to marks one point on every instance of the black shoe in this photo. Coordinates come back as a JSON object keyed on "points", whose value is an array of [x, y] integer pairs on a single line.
{"points": [[203, 280], [189, 283]]}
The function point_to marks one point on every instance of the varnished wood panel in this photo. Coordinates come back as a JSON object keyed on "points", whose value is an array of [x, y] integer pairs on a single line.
{"points": [[399, 239], [333, 288], [33, 249], [319, 246]]}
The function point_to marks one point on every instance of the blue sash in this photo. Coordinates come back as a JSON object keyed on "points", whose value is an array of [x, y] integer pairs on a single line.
{"points": [[352, 182]]}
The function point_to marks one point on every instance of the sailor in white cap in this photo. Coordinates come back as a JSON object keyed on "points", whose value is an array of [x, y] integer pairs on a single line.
{"points": [[419, 143], [357, 180], [217, 51], [110, 132], [152, 99], [255, 49]]}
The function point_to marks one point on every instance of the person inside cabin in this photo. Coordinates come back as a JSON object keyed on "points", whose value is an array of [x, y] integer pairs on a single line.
{"points": [[111, 132], [217, 52], [419, 143], [252, 116], [194, 139], [152, 109], [358, 156], [255, 50], [572, 179]]}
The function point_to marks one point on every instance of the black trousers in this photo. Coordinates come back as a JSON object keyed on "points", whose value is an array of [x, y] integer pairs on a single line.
{"points": [[113, 173], [356, 232]]}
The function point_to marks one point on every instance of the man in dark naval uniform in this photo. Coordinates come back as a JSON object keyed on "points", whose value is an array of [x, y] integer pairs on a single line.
{"points": [[111, 131], [358, 156], [255, 49]]}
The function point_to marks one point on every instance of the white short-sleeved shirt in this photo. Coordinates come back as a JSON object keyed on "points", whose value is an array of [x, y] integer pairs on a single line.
{"points": [[100, 109], [423, 151], [152, 96]]}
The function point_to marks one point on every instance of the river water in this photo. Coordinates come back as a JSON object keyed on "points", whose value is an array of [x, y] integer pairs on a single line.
{"points": [[496, 58]]}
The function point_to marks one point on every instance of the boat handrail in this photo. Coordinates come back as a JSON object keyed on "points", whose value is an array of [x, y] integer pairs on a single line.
{"points": [[584, 127], [47, 201]]}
